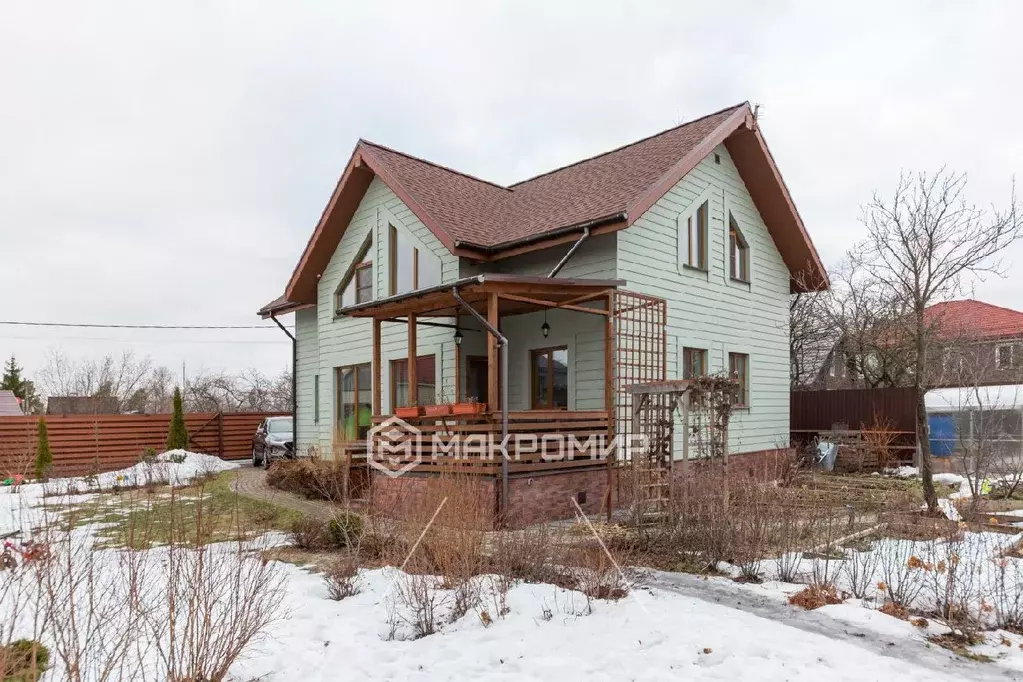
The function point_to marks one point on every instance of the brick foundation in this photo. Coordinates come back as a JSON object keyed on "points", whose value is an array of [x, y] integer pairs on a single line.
{"points": [[548, 496]]}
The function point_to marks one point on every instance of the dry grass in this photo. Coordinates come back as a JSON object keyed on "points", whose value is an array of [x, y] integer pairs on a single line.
{"points": [[815, 596]]}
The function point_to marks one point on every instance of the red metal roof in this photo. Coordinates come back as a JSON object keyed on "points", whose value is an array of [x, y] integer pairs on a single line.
{"points": [[974, 319]]}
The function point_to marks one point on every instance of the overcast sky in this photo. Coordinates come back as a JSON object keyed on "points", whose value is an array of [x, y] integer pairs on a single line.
{"points": [[166, 162]]}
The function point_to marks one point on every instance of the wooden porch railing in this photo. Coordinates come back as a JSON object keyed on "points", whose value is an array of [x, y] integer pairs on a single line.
{"points": [[539, 440]]}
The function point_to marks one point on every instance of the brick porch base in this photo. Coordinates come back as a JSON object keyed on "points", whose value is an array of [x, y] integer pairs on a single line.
{"points": [[548, 496]]}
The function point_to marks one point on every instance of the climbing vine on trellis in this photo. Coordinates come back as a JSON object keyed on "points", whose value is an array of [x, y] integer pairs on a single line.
{"points": [[712, 399]]}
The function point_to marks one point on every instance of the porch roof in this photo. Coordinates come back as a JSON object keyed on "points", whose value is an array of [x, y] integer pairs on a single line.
{"points": [[517, 294]]}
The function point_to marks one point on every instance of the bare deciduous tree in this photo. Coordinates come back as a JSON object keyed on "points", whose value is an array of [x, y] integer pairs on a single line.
{"points": [[922, 244]]}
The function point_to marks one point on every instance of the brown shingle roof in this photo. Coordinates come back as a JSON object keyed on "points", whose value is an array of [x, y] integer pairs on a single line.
{"points": [[481, 220], [482, 213]]}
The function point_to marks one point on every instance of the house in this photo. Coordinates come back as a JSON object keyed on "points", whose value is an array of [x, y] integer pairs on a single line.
{"points": [[10, 405], [974, 344], [540, 302], [83, 404]]}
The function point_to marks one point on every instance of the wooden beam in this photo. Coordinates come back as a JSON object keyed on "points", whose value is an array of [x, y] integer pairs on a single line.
{"points": [[609, 396], [376, 368], [553, 304], [413, 381], [493, 388], [458, 368], [589, 297]]}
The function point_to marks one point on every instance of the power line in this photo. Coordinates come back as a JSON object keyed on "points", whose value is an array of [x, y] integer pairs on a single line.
{"points": [[138, 326]]}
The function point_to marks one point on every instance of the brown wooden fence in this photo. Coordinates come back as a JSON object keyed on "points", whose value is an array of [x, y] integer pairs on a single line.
{"points": [[85, 444]]}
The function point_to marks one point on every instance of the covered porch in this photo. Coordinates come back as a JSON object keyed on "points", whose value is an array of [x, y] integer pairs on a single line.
{"points": [[532, 356]]}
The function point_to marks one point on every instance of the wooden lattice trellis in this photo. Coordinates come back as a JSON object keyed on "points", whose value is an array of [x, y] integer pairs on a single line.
{"points": [[641, 350]]}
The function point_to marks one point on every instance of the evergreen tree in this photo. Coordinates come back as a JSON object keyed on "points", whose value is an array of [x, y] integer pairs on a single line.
{"points": [[177, 438], [44, 457], [25, 390]]}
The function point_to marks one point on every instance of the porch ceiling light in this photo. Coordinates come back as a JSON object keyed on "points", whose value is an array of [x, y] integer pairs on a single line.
{"points": [[458, 337], [545, 328]]}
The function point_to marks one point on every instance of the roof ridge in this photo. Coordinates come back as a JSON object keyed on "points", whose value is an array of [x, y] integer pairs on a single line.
{"points": [[627, 145], [985, 303], [432, 163]]}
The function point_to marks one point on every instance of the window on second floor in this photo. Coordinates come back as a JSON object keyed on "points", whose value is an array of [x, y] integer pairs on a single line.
{"points": [[693, 237], [694, 362], [738, 250], [1005, 357], [411, 268], [357, 285]]}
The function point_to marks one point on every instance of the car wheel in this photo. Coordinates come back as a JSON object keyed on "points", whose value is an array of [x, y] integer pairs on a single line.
{"points": [[267, 460], [255, 460]]}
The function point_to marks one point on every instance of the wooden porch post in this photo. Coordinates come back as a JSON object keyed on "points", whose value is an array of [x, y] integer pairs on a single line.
{"points": [[376, 367], [609, 393], [493, 392], [458, 368], [413, 381]]}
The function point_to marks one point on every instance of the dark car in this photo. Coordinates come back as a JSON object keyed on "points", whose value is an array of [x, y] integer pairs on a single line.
{"points": [[274, 439]]}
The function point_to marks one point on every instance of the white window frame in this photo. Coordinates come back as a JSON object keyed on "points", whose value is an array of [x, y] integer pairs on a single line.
{"points": [[741, 245], [682, 231], [364, 252], [998, 356]]}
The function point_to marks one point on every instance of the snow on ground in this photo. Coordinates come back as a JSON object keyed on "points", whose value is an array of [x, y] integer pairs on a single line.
{"points": [[653, 634], [177, 467], [656, 633]]}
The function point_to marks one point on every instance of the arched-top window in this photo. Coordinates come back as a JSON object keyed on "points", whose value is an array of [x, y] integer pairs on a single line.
{"points": [[738, 252]]}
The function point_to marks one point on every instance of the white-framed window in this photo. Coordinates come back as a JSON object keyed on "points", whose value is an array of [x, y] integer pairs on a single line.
{"points": [[1005, 356], [738, 252], [738, 369]]}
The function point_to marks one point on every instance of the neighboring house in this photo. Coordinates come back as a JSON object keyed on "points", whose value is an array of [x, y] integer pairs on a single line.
{"points": [[666, 257], [83, 404], [10, 405], [973, 344]]}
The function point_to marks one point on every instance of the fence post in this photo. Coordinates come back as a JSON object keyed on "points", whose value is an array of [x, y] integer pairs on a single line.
{"points": [[220, 433]]}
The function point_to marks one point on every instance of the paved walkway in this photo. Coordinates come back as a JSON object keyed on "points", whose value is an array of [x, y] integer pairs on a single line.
{"points": [[251, 482]]}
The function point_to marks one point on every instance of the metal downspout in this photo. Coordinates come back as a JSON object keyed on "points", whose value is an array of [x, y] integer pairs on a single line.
{"points": [[571, 252], [294, 383], [502, 342]]}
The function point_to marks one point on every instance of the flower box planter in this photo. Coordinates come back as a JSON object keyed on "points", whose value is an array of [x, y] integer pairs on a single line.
{"points": [[436, 410], [474, 409], [407, 412]]}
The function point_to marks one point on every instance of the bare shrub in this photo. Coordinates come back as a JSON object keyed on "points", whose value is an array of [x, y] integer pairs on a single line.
{"points": [[951, 573], [533, 555], [1006, 590], [879, 440], [860, 571], [313, 478], [598, 576], [902, 579], [419, 600], [310, 534], [341, 576]]}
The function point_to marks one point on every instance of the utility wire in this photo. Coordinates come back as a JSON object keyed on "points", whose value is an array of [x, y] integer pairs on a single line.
{"points": [[138, 326]]}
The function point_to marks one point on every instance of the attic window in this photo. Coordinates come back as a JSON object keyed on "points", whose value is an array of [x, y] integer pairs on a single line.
{"points": [[694, 237], [411, 268], [738, 250], [357, 284]]}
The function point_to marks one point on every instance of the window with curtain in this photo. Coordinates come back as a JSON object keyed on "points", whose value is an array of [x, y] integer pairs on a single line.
{"points": [[354, 401], [738, 369], [411, 268], [550, 378], [426, 381], [738, 249]]}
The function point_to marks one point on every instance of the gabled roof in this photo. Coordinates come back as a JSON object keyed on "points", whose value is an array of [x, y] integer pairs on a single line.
{"points": [[482, 220], [975, 320]]}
